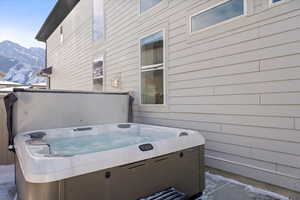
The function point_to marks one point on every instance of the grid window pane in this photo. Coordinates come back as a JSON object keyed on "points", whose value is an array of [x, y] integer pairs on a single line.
{"points": [[153, 87], [98, 20], [218, 14], [147, 4], [152, 49]]}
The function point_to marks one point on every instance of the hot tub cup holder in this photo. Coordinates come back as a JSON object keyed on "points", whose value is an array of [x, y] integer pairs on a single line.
{"points": [[37, 142]]}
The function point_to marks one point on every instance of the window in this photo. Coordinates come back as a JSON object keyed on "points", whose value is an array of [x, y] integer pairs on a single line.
{"points": [[98, 73], [98, 68], [275, 1], [98, 20], [61, 31], [147, 4], [220, 13], [152, 69]]}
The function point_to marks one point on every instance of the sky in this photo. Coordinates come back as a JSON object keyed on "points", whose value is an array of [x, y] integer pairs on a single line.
{"points": [[20, 20]]}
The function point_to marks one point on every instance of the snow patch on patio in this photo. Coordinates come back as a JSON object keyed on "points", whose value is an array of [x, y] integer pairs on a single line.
{"points": [[247, 188], [7, 182]]}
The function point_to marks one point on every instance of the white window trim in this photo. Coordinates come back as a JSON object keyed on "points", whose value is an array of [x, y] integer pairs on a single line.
{"points": [[277, 3], [151, 66], [149, 10], [218, 24]]}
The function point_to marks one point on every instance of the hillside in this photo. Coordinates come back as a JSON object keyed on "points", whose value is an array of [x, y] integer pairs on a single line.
{"points": [[21, 64]]}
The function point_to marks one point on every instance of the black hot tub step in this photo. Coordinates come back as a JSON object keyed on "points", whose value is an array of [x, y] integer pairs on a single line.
{"points": [[168, 194]]}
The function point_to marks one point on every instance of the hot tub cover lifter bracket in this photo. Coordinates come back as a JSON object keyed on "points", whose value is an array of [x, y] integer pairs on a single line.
{"points": [[9, 101]]}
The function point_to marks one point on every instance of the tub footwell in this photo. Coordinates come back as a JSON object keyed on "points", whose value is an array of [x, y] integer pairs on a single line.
{"points": [[182, 170]]}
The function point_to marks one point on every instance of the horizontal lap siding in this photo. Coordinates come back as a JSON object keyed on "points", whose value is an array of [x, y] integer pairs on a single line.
{"points": [[237, 83], [71, 60]]}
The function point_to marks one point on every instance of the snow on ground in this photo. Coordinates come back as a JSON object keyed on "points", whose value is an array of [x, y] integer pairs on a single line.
{"points": [[217, 188], [221, 188], [7, 182]]}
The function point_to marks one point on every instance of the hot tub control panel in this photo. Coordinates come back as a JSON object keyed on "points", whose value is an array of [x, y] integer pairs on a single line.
{"points": [[146, 147]]}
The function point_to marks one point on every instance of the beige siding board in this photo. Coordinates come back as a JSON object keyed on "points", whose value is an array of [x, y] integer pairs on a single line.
{"points": [[276, 157], [239, 159], [258, 154], [228, 148], [276, 75], [272, 122], [291, 171], [223, 100], [297, 123], [258, 88], [286, 98], [254, 173], [280, 62], [206, 73], [257, 110], [259, 143], [266, 133], [191, 92], [183, 124]]}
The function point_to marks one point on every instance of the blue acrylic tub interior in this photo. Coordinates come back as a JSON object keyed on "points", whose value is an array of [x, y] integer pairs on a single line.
{"points": [[72, 142]]}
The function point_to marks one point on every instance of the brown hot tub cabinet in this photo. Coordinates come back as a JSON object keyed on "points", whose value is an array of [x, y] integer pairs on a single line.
{"points": [[183, 170]]}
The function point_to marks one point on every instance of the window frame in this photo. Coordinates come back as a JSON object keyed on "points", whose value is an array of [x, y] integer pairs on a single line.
{"points": [[149, 9], [155, 65], [271, 3], [218, 24]]}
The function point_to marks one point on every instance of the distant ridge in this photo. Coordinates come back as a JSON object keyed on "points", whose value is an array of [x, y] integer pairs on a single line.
{"points": [[21, 64]]}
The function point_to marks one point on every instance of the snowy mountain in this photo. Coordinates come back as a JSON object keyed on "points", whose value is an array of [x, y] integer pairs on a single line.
{"points": [[21, 64]]}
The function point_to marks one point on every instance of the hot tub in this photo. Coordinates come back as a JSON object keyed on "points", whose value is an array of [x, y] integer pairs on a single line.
{"points": [[108, 162]]}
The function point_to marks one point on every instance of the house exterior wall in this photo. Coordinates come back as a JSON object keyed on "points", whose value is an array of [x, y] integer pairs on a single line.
{"points": [[71, 59], [238, 82]]}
